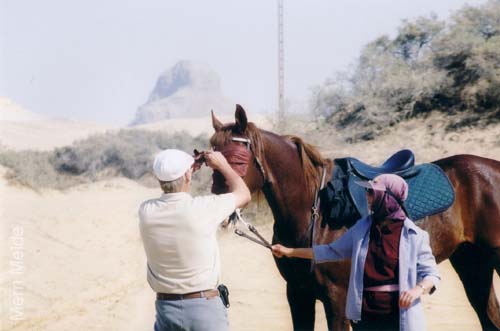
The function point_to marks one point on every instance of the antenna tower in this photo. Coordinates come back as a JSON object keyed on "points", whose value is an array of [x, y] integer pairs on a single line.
{"points": [[281, 66]]}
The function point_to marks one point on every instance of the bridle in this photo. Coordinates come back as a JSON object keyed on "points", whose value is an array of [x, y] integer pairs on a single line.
{"points": [[315, 213], [236, 216]]}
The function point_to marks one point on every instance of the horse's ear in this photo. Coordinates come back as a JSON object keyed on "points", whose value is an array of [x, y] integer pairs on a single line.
{"points": [[241, 119], [216, 123]]}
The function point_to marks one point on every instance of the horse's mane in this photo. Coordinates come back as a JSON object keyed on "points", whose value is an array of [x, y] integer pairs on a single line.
{"points": [[309, 155], [311, 161]]}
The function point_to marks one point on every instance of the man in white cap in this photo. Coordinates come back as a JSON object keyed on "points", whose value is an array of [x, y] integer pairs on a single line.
{"points": [[179, 236]]}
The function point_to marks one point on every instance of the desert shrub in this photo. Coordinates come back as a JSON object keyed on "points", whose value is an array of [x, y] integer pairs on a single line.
{"points": [[34, 169], [430, 65], [127, 153]]}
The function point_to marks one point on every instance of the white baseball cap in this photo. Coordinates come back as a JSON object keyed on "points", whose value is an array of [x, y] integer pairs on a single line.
{"points": [[171, 164]]}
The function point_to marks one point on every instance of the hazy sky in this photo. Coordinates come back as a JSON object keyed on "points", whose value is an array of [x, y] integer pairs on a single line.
{"points": [[99, 60]]}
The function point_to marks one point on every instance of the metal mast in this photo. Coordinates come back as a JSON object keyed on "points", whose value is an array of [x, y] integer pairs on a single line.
{"points": [[281, 66]]}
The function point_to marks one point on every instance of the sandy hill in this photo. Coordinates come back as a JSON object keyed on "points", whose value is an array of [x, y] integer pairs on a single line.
{"points": [[22, 129], [428, 138]]}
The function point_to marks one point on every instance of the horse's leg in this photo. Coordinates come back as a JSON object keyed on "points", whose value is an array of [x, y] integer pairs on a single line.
{"points": [[333, 280], [496, 260], [301, 300], [334, 304], [493, 305], [475, 269]]}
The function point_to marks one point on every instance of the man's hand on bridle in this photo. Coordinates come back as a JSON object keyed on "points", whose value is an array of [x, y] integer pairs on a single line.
{"points": [[199, 160], [216, 161]]}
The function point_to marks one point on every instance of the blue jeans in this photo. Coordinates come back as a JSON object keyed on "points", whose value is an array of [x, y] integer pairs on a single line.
{"points": [[191, 315]]}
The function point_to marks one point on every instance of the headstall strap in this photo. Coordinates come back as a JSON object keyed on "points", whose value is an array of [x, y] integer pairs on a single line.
{"points": [[315, 210], [315, 207], [246, 141]]}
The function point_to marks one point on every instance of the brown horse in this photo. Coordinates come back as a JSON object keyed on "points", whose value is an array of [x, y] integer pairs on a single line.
{"points": [[288, 170]]}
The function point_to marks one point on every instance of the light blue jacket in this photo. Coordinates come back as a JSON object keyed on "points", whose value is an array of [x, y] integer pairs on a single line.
{"points": [[416, 263]]}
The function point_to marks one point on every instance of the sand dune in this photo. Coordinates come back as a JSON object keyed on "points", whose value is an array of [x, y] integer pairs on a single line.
{"points": [[22, 129]]}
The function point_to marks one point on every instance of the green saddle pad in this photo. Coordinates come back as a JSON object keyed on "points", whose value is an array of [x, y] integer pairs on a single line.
{"points": [[430, 192]]}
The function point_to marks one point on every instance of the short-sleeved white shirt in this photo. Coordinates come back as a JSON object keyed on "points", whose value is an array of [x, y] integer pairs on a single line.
{"points": [[179, 236]]}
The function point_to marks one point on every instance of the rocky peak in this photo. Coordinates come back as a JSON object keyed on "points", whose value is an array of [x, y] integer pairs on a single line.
{"points": [[188, 89]]}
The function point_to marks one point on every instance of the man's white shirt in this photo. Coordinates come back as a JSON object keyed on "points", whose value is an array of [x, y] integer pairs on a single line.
{"points": [[179, 236]]}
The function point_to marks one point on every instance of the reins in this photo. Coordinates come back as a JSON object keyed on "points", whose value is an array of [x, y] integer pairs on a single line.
{"points": [[235, 217]]}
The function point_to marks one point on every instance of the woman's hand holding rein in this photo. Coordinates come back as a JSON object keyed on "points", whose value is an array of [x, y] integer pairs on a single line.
{"points": [[304, 253]]}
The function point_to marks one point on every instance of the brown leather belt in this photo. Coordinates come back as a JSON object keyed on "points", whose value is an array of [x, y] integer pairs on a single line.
{"points": [[195, 295]]}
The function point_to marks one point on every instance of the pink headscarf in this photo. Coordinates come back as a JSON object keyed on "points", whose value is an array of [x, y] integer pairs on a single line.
{"points": [[385, 203]]}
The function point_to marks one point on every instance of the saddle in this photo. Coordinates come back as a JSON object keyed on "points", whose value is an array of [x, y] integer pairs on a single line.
{"points": [[343, 202], [401, 163]]}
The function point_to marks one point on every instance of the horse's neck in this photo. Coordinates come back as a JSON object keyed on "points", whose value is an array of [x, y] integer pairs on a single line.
{"points": [[287, 194]]}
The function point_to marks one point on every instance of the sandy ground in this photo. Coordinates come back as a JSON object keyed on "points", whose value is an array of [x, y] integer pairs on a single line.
{"points": [[73, 260], [85, 267]]}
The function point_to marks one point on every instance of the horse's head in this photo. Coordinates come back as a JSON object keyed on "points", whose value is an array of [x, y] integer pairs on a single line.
{"points": [[241, 143]]}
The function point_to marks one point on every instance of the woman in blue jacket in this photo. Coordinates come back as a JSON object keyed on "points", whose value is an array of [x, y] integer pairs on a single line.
{"points": [[392, 264]]}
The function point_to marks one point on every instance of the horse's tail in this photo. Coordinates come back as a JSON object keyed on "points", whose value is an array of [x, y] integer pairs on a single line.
{"points": [[311, 160]]}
